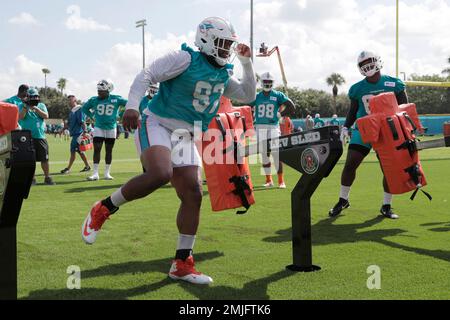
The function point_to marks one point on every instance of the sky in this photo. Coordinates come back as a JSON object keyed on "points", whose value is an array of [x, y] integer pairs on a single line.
{"points": [[85, 41]]}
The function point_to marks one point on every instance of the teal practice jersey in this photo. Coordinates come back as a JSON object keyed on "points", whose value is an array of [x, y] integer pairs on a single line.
{"points": [[194, 95], [266, 107], [105, 112], [362, 92], [334, 122], [33, 122], [16, 101]]}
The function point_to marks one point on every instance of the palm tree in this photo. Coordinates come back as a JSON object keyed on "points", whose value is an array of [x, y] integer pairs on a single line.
{"points": [[45, 71], [335, 80], [62, 84], [447, 70]]}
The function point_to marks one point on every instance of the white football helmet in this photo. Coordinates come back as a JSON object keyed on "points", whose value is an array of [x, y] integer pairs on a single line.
{"points": [[153, 90], [267, 81], [216, 37], [373, 66], [104, 85]]}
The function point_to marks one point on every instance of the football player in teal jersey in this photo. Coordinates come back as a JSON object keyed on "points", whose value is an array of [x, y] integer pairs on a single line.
{"points": [[374, 83], [191, 84], [318, 121], [268, 104], [334, 120], [104, 109]]}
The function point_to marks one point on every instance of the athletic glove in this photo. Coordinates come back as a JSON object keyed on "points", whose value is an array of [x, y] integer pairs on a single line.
{"points": [[344, 134]]}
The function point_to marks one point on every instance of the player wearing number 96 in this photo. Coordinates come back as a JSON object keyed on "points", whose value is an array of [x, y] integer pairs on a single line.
{"points": [[104, 110], [374, 83], [266, 107], [191, 84]]}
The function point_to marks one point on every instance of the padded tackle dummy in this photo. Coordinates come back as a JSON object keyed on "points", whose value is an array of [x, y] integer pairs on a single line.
{"points": [[228, 179], [9, 117], [390, 129]]}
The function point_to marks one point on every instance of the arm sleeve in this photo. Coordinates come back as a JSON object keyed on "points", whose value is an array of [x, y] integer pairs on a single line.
{"points": [[282, 98], [245, 90], [402, 97], [165, 68], [123, 101], [351, 115]]}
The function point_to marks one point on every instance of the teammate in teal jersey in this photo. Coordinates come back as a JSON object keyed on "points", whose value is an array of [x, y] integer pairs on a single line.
{"points": [[190, 85], [20, 97], [318, 121], [104, 109], [267, 105], [32, 115], [334, 120], [374, 83]]}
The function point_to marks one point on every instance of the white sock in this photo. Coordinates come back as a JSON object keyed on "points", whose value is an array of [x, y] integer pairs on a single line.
{"points": [[345, 192], [117, 198], [387, 198], [107, 169], [95, 168], [185, 241]]}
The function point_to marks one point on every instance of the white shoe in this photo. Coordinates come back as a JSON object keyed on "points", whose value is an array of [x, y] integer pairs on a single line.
{"points": [[108, 177], [185, 270], [268, 184], [94, 177], [282, 185]]}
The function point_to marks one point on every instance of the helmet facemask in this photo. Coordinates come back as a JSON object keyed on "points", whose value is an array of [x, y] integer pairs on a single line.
{"points": [[267, 85], [224, 50], [152, 91]]}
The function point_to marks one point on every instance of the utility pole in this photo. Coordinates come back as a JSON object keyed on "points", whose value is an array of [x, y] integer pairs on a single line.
{"points": [[139, 24], [251, 27]]}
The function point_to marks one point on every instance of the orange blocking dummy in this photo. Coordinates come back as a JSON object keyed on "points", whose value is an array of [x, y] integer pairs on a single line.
{"points": [[228, 178], [390, 129], [9, 117]]}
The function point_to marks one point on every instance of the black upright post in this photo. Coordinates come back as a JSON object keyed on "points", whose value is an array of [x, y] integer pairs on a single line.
{"points": [[301, 225], [17, 166], [314, 153]]}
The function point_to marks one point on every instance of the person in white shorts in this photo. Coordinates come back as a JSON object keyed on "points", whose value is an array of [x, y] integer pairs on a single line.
{"points": [[268, 104], [191, 84], [104, 109]]}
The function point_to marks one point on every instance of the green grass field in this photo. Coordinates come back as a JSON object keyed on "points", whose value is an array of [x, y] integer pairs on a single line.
{"points": [[246, 255]]}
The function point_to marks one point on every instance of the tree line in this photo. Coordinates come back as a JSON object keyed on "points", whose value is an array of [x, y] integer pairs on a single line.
{"points": [[429, 100]]}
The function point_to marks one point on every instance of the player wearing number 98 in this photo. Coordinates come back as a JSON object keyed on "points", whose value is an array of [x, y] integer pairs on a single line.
{"points": [[104, 109], [374, 83], [191, 84], [266, 107]]}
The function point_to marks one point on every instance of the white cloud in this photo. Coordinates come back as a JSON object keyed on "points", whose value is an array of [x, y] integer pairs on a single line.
{"points": [[315, 42], [24, 19], [76, 22], [123, 61], [23, 71]]}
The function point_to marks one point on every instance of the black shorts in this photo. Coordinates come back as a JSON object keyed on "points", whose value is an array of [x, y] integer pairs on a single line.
{"points": [[357, 147], [41, 147]]}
